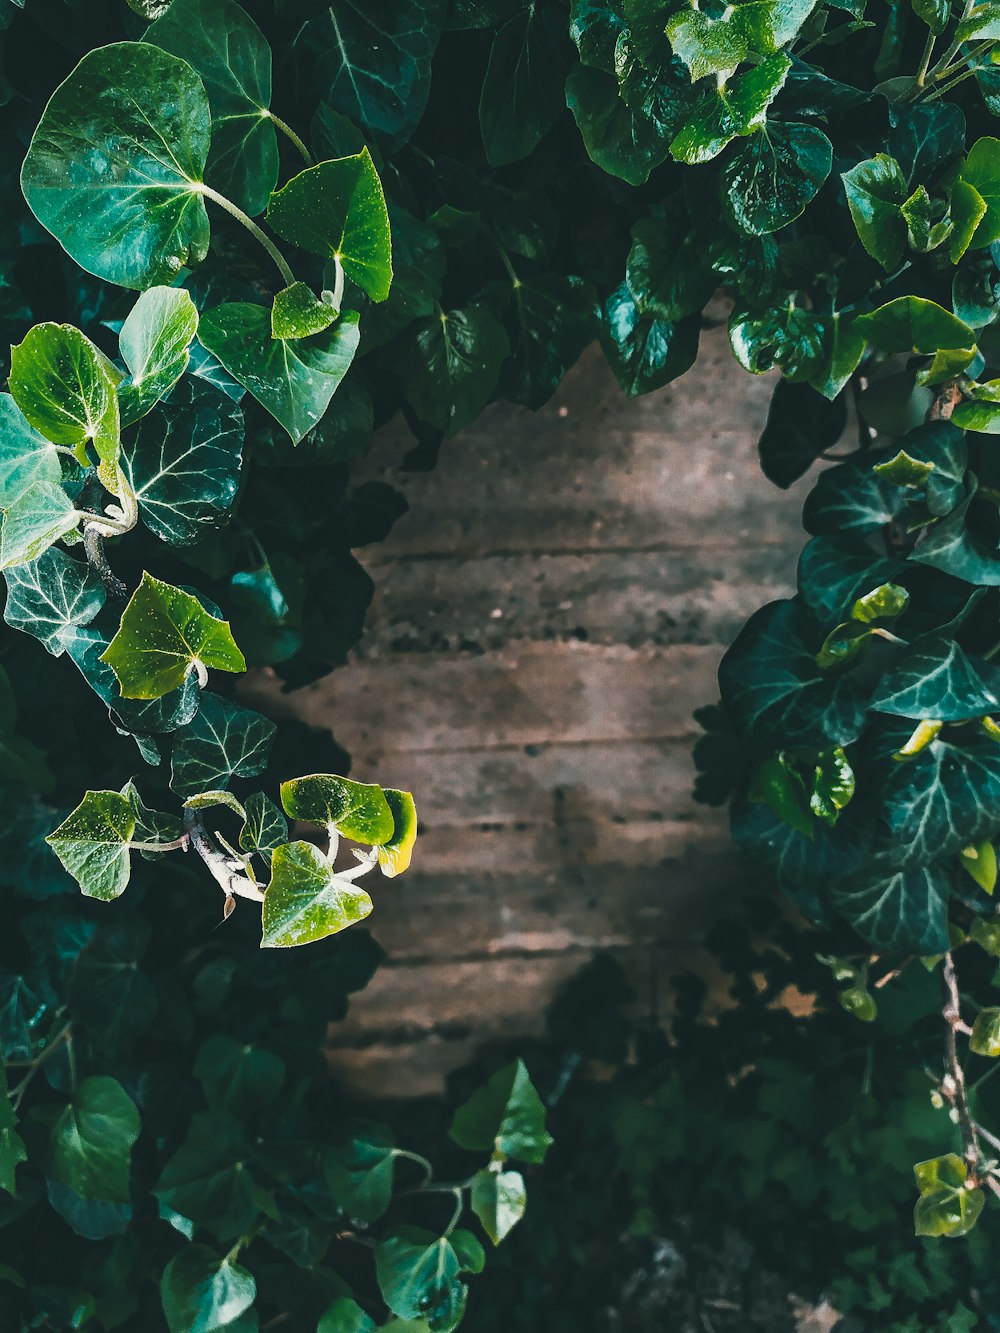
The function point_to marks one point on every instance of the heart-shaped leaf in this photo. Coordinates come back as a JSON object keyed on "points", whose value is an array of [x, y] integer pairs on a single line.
{"points": [[68, 390], [25, 455], [154, 342], [230, 54], [202, 1293], [937, 680], [449, 365], [505, 1117], [358, 810], [418, 1274], [164, 634], [184, 461], [38, 517], [294, 380], [265, 827], [337, 210], [498, 1199], [305, 901], [114, 173], [50, 595], [359, 1168], [90, 1143], [222, 742], [876, 190], [298, 313], [774, 174]]}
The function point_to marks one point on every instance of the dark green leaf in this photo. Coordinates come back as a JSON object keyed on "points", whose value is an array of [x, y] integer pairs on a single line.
{"points": [[935, 679], [223, 742], [620, 141], [504, 1117], [359, 1169], [418, 1276], [208, 1179], [801, 424], [449, 366], [905, 911], [667, 273], [48, 596], [645, 353], [183, 463], [236, 1075], [521, 95], [154, 342], [231, 56], [90, 1143], [771, 177], [294, 380], [876, 189], [265, 827]]}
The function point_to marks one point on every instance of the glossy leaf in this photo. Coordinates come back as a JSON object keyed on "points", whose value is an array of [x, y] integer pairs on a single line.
{"points": [[154, 342], [25, 456], [113, 174], [980, 863], [774, 174], [184, 461], [418, 1275], [498, 1199], [337, 210], [50, 595], [94, 842], [935, 679], [164, 634], [358, 810], [305, 901], [912, 324], [222, 742], [730, 110], [505, 1117], [394, 855], [202, 1293], [981, 170], [294, 380], [622, 142], [644, 352], [265, 827], [449, 366], [68, 391], [298, 313], [237, 1075], [40, 516], [230, 54], [876, 189]]}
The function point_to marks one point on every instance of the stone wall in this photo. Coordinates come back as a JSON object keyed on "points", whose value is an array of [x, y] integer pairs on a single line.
{"points": [[547, 615]]}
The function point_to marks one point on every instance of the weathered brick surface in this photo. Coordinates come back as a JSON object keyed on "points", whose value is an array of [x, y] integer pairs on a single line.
{"points": [[547, 615]]}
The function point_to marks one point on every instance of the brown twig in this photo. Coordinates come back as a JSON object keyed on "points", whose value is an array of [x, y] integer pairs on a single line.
{"points": [[953, 1086]]}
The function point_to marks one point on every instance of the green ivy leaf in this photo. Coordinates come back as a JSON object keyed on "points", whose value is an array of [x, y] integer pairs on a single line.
{"points": [[498, 1199], [90, 1143], [26, 456], [667, 274], [305, 901], [222, 742], [337, 210], [935, 13], [93, 844], [418, 1275], [985, 1036], [202, 1293], [298, 313], [912, 324], [293, 379], [518, 106], [505, 1117], [113, 173], [778, 782], [551, 319], [208, 1179], [774, 174], [905, 911], [49, 596], [238, 1076], [934, 679], [622, 142], [374, 66], [68, 390], [948, 1212], [359, 1169], [230, 54], [110, 991], [715, 45], [952, 548], [876, 190], [164, 634], [731, 109], [154, 342], [358, 810], [449, 365], [347, 1316], [264, 828], [40, 516], [771, 685], [645, 353], [981, 170], [184, 461]]}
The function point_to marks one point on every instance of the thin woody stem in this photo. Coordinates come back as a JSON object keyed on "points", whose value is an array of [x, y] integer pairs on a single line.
{"points": [[93, 545], [233, 882], [958, 1093]]}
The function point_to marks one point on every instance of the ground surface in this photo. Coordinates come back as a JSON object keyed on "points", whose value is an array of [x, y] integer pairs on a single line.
{"points": [[547, 615]]}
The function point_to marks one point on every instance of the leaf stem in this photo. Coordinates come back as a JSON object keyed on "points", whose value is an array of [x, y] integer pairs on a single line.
{"points": [[256, 232], [337, 295], [17, 1094], [954, 1084], [459, 1209], [93, 545], [232, 882], [287, 130], [925, 60], [947, 87], [420, 1161]]}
